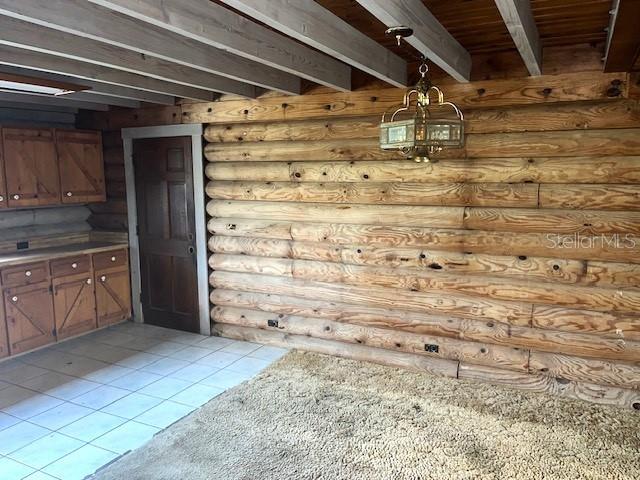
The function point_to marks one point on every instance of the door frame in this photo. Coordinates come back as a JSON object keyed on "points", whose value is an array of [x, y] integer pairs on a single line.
{"points": [[194, 131]]}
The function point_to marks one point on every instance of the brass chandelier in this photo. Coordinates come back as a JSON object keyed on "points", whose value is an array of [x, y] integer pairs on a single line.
{"points": [[421, 129]]}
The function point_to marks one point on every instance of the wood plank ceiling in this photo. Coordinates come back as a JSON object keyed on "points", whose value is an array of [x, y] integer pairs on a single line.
{"points": [[146, 51]]}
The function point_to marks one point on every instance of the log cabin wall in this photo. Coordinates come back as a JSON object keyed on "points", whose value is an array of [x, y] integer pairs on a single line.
{"points": [[515, 260]]}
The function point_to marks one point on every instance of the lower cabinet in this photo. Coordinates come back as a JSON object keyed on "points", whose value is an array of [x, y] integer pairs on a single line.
{"points": [[51, 300], [113, 296], [74, 304], [29, 317]]}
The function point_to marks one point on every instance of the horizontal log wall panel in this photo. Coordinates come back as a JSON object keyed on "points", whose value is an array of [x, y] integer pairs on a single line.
{"points": [[515, 313], [567, 116], [491, 93], [472, 352], [586, 370], [433, 366], [490, 332], [544, 144], [549, 269], [565, 170], [474, 218], [448, 194], [518, 254], [590, 298], [597, 197], [624, 248], [360, 214], [590, 392]]}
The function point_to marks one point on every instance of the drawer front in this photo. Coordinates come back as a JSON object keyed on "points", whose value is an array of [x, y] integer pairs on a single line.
{"points": [[25, 274], [70, 266], [110, 259]]}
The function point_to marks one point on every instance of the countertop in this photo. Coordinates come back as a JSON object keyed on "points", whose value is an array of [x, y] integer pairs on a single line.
{"points": [[26, 256]]}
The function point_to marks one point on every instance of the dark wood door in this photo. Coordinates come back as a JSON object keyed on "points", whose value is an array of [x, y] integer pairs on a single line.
{"points": [[31, 166], [3, 183], [164, 190], [4, 342], [81, 166], [29, 314], [113, 296], [74, 304]]}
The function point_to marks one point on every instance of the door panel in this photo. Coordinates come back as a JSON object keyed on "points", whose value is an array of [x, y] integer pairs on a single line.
{"points": [[113, 296], [31, 167], [81, 166], [29, 314], [74, 305], [164, 191]]}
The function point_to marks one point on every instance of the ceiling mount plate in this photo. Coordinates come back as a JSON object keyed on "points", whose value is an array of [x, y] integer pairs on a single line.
{"points": [[399, 32]]}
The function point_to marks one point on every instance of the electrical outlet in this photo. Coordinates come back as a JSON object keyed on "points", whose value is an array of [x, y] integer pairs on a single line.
{"points": [[272, 323], [431, 348]]}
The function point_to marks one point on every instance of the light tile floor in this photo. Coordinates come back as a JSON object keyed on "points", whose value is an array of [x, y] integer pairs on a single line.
{"points": [[73, 407]]}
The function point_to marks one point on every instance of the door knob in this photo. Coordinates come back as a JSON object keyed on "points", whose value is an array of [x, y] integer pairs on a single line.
{"points": [[69, 194], [1, 198], [88, 281], [103, 278], [113, 259], [28, 273], [74, 265], [16, 197], [191, 249], [14, 299]]}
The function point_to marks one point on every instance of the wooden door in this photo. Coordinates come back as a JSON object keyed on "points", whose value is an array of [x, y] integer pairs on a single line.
{"points": [[4, 342], [31, 167], [166, 223], [74, 305], [113, 296], [81, 166], [29, 314], [3, 183]]}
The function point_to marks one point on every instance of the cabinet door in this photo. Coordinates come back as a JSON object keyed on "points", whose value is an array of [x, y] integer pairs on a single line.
{"points": [[113, 296], [3, 183], [29, 313], [81, 166], [31, 167], [74, 304]]}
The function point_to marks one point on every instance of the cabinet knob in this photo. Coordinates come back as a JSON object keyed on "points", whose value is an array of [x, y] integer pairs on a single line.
{"points": [[28, 273], [69, 194], [103, 278], [16, 197], [1, 198], [88, 281], [113, 259], [74, 265], [14, 299]]}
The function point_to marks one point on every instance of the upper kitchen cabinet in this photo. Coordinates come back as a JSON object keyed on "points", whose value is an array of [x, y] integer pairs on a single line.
{"points": [[31, 167], [40, 167], [81, 166]]}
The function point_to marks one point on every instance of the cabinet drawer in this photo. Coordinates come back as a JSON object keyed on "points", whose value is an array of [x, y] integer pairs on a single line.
{"points": [[25, 274], [110, 259], [70, 266]]}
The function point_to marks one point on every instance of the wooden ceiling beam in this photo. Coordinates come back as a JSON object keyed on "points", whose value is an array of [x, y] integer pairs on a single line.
{"points": [[429, 36], [219, 27], [94, 97], [623, 41], [310, 23], [48, 63], [518, 18], [31, 36], [88, 20], [51, 101], [97, 87]]}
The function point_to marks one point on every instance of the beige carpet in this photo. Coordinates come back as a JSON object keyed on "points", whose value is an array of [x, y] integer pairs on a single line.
{"points": [[311, 416]]}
